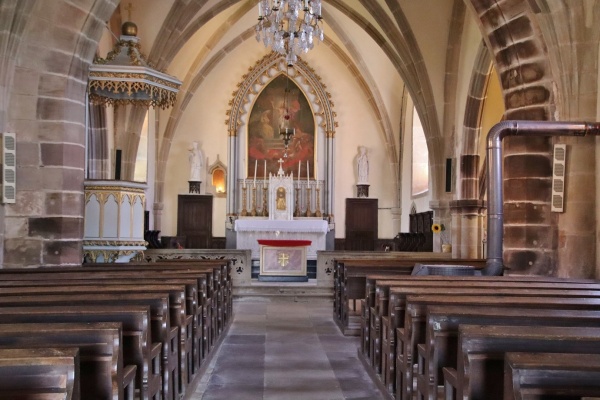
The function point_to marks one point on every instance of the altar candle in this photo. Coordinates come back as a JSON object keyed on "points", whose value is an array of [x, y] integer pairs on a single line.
{"points": [[299, 169], [307, 172], [255, 166], [265, 174], [260, 8]]}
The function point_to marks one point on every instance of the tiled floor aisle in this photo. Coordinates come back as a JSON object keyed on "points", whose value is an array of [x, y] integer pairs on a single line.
{"points": [[279, 349]]}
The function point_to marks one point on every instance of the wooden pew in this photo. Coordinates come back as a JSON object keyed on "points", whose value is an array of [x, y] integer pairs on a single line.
{"points": [[193, 336], [135, 320], [162, 331], [382, 330], [440, 347], [539, 376], [480, 366], [377, 297], [350, 275], [411, 334], [204, 307], [213, 278], [180, 318], [48, 373], [100, 349], [173, 271]]}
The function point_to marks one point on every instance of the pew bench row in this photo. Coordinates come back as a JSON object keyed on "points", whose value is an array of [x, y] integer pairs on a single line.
{"points": [[168, 316], [350, 286], [418, 335]]}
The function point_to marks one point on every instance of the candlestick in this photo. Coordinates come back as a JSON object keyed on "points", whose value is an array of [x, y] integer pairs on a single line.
{"points": [[255, 166], [265, 208], [307, 171], [244, 195]]}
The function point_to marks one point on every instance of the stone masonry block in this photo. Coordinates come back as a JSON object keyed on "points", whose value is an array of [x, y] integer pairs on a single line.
{"points": [[62, 252], [527, 97], [529, 236], [528, 166], [530, 262], [528, 144], [28, 202], [67, 204], [22, 252], [56, 227], [513, 54], [522, 213], [29, 154], [528, 190], [16, 227], [28, 178], [62, 154]]}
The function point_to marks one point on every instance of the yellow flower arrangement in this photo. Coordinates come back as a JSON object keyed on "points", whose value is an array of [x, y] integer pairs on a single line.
{"points": [[439, 228]]}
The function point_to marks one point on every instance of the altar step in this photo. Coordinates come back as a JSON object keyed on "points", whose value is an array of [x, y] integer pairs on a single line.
{"points": [[311, 269], [299, 290]]}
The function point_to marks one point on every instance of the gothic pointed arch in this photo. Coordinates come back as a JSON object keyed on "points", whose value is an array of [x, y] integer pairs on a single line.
{"points": [[262, 73]]}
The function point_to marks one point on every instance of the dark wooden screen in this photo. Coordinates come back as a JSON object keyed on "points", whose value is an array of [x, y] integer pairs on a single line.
{"points": [[194, 220], [361, 224]]}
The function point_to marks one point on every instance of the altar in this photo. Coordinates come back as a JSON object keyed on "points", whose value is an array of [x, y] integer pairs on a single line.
{"points": [[249, 231]]}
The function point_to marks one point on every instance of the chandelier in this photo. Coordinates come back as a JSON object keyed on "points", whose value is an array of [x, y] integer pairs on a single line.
{"points": [[281, 27], [125, 76]]}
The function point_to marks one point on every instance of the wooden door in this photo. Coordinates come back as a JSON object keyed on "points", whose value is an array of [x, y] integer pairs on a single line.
{"points": [[194, 220], [361, 224]]}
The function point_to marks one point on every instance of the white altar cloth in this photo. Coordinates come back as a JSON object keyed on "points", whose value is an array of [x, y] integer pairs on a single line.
{"points": [[265, 225], [248, 231]]}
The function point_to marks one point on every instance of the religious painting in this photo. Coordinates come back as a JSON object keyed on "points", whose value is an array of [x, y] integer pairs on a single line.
{"points": [[265, 146]]}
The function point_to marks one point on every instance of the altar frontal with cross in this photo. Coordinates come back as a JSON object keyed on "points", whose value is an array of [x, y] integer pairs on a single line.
{"points": [[283, 259]]}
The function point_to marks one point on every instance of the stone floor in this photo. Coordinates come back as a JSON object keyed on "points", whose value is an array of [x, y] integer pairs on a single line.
{"points": [[286, 349]]}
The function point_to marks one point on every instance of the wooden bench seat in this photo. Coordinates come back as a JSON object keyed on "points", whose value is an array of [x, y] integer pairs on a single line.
{"points": [[377, 296], [162, 331], [412, 332], [194, 334], [480, 365], [45, 373], [135, 321], [173, 274], [350, 278], [440, 347], [544, 375], [100, 351], [383, 341], [181, 319]]}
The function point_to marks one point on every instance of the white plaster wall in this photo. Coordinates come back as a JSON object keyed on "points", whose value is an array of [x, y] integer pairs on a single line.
{"points": [[431, 32], [204, 118]]}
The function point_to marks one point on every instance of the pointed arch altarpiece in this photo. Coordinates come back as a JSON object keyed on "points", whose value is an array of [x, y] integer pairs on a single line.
{"points": [[253, 83]]}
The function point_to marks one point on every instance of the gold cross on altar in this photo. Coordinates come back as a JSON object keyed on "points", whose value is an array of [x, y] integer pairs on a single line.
{"points": [[283, 259]]}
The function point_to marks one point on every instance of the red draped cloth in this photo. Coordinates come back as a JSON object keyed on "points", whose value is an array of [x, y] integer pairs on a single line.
{"points": [[284, 243]]}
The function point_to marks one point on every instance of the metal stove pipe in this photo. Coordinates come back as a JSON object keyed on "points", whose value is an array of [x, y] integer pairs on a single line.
{"points": [[495, 215]]}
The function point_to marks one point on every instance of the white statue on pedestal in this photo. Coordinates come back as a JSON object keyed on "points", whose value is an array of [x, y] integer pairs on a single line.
{"points": [[362, 166], [196, 161]]}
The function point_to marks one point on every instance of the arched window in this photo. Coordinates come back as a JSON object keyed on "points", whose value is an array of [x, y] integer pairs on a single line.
{"points": [[420, 157]]}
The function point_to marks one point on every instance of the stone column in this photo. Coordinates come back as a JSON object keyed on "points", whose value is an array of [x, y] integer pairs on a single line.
{"points": [[467, 228]]}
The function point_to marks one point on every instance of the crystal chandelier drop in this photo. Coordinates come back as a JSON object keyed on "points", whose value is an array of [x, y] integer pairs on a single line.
{"points": [[281, 27]]}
